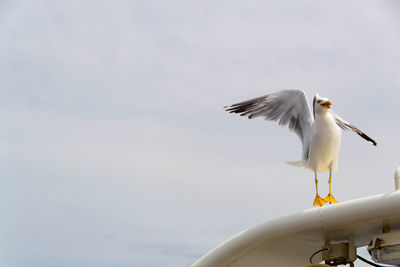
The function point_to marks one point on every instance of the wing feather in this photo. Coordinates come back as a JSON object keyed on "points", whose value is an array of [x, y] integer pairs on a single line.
{"points": [[348, 126], [288, 107]]}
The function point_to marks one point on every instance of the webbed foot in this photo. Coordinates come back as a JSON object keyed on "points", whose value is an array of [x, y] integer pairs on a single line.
{"points": [[318, 201], [329, 198]]}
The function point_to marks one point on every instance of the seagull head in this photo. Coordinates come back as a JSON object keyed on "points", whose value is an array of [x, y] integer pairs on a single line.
{"points": [[325, 103], [321, 103]]}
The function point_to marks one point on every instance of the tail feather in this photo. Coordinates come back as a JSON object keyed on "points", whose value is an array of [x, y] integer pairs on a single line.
{"points": [[300, 163]]}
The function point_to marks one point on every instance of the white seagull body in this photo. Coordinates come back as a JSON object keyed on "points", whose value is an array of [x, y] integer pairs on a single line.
{"points": [[322, 143], [319, 132]]}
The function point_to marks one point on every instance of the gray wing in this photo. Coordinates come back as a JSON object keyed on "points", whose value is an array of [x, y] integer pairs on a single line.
{"points": [[288, 107], [347, 126]]}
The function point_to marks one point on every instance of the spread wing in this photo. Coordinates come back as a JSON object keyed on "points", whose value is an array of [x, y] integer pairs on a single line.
{"points": [[288, 107], [347, 126]]}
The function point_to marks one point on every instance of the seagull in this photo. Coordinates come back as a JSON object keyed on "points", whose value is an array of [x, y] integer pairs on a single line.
{"points": [[319, 131]]}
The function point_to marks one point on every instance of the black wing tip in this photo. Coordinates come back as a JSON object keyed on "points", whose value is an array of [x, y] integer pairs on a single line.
{"points": [[369, 139], [233, 109], [228, 109]]}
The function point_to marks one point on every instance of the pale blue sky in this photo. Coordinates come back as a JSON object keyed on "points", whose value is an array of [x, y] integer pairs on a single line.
{"points": [[115, 148]]}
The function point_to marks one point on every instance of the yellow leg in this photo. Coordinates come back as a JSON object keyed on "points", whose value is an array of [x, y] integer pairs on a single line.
{"points": [[318, 201], [329, 198]]}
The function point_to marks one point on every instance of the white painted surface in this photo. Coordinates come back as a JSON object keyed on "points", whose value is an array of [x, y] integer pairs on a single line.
{"points": [[291, 240], [397, 179]]}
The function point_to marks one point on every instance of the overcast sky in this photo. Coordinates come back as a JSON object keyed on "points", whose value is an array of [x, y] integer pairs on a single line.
{"points": [[115, 148]]}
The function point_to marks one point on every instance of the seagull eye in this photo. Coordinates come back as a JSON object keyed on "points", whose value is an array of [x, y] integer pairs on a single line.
{"points": [[319, 101]]}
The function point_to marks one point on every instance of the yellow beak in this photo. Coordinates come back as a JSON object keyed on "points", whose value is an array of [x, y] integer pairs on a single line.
{"points": [[326, 104]]}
